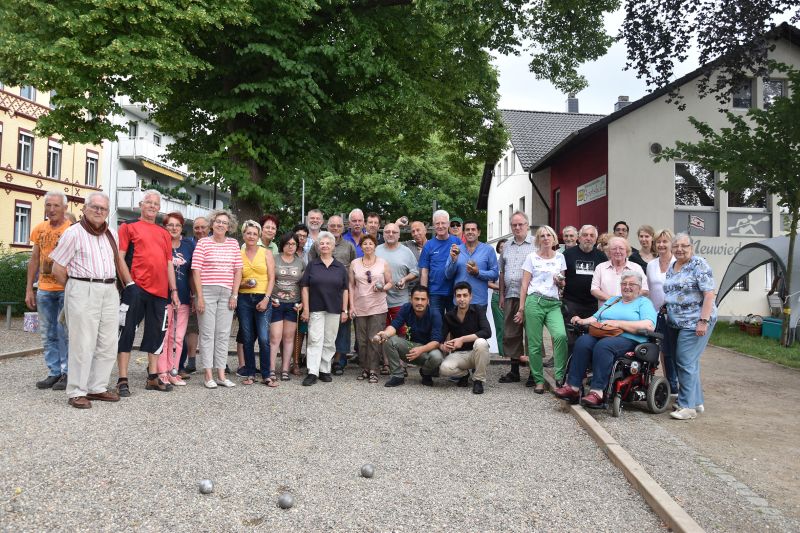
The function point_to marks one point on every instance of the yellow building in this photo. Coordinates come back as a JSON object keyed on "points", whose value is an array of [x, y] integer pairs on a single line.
{"points": [[30, 166]]}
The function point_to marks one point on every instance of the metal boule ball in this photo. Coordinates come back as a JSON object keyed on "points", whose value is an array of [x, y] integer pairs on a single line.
{"points": [[368, 470], [285, 500], [206, 486], [173, 372]]}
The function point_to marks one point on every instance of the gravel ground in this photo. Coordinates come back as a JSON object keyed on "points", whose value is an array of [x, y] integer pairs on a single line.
{"points": [[713, 497], [15, 339], [445, 459]]}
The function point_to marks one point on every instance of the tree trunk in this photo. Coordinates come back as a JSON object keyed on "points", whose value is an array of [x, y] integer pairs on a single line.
{"points": [[786, 327]]}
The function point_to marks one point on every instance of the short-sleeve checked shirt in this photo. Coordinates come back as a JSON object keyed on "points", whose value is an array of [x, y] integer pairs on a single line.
{"points": [[511, 261]]}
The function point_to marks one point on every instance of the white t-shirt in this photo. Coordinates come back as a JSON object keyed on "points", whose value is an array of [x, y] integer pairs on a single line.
{"points": [[542, 272], [655, 280]]}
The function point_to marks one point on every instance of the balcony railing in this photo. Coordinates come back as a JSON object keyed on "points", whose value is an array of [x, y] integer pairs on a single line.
{"points": [[146, 150], [128, 200]]}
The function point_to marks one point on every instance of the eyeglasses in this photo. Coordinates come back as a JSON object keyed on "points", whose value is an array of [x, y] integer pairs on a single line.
{"points": [[174, 226], [97, 208], [519, 225], [630, 285], [221, 223], [369, 276]]}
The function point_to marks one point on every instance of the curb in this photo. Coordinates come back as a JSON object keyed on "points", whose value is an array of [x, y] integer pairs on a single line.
{"points": [[656, 497], [21, 353]]}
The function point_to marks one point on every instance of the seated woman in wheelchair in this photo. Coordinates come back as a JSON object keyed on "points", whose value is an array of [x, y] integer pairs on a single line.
{"points": [[630, 313]]}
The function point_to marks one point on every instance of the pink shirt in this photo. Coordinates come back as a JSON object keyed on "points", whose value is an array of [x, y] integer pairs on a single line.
{"points": [[217, 261], [85, 255], [366, 301], [606, 279]]}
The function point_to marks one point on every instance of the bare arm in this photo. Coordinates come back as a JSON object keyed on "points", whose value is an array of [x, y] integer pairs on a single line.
{"points": [[423, 277], [270, 273], [33, 266], [305, 298], [519, 318], [352, 290], [200, 304], [60, 273]]}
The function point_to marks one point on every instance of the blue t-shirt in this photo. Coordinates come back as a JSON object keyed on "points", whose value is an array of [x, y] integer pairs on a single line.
{"points": [[434, 256], [683, 292], [486, 260], [424, 329], [182, 260], [349, 237], [639, 309]]}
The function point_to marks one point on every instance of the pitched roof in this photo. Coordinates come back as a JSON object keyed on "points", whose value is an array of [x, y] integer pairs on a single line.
{"points": [[783, 31], [533, 135]]}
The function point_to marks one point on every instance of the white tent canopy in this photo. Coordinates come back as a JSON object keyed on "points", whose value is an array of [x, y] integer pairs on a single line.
{"points": [[753, 255]]}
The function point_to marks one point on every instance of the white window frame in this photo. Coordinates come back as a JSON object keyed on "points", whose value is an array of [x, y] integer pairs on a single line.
{"points": [[713, 207], [22, 222], [91, 169], [25, 149], [156, 138], [133, 129], [54, 154], [765, 81], [30, 90]]}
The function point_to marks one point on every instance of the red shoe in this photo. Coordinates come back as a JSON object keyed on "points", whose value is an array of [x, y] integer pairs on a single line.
{"points": [[567, 393], [592, 401]]}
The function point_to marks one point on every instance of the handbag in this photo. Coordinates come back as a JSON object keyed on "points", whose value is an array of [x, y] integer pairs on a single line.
{"points": [[600, 330]]}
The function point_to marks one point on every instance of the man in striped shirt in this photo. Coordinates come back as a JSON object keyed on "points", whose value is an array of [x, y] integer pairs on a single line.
{"points": [[85, 263]]}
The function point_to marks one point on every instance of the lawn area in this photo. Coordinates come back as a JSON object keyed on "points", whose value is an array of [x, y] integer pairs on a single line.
{"points": [[728, 336]]}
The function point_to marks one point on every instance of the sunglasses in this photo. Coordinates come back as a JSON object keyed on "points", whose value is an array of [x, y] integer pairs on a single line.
{"points": [[369, 276]]}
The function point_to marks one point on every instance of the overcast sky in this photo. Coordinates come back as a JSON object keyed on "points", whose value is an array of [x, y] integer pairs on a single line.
{"points": [[519, 89]]}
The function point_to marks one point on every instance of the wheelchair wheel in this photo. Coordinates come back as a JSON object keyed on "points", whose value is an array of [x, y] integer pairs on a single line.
{"points": [[658, 395], [616, 406]]}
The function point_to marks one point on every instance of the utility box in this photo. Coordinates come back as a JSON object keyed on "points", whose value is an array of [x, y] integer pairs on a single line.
{"points": [[771, 328]]}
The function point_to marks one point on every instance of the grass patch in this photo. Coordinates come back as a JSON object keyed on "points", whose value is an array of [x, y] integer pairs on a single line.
{"points": [[728, 336]]}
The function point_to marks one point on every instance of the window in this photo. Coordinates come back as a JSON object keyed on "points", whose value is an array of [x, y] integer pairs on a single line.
{"points": [[491, 230], [157, 139], [25, 152], [28, 92], [505, 167], [743, 284], [510, 210], [557, 209], [22, 222], [54, 159], [755, 198], [694, 185], [513, 161], [197, 199], [91, 168], [133, 129], [498, 172], [773, 89], [500, 222], [742, 97], [522, 204], [2, 85]]}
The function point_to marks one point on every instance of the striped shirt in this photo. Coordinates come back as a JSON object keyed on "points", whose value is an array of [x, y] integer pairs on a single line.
{"points": [[217, 262], [511, 261], [85, 255]]}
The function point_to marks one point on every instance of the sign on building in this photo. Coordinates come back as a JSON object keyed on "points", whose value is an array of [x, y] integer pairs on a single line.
{"points": [[592, 190]]}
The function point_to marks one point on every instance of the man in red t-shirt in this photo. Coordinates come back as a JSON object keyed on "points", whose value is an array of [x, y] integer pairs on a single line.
{"points": [[147, 248]]}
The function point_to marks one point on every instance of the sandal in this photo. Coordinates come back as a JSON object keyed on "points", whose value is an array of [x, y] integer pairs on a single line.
{"points": [[296, 369], [364, 375], [285, 376], [373, 377], [270, 381], [385, 370], [248, 380]]}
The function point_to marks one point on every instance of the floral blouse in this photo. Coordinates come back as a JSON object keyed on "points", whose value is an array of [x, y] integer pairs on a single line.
{"points": [[683, 292]]}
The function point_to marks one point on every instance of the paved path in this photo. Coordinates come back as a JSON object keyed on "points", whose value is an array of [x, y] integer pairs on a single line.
{"points": [[446, 460]]}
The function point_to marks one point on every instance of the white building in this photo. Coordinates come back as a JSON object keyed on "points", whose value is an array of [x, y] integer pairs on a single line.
{"points": [[137, 161], [604, 171]]}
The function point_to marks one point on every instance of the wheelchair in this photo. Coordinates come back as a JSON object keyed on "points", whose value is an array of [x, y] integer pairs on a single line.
{"points": [[633, 377]]}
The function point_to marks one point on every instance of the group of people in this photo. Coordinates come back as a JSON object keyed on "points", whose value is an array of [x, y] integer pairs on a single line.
{"points": [[423, 302]]}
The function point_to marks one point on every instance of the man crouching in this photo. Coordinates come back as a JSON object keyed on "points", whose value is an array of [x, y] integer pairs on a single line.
{"points": [[465, 332]]}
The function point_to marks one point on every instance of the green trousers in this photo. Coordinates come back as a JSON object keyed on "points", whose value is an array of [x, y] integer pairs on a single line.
{"points": [[541, 313], [499, 320]]}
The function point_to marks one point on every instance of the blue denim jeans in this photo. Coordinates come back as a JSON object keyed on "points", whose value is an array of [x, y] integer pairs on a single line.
{"points": [[54, 338], [441, 304], [255, 326], [688, 348], [601, 354]]}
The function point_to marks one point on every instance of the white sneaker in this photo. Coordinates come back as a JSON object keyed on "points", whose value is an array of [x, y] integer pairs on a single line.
{"points": [[211, 384], [700, 409], [684, 414], [226, 383]]}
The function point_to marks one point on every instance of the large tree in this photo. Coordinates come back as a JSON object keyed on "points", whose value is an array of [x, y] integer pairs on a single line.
{"points": [[759, 154], [261, 93]]}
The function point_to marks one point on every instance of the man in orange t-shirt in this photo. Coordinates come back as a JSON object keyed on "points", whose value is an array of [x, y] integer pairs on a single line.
{"points": [[48, 300]]}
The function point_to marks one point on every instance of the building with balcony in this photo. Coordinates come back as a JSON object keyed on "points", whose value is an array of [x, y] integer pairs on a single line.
{"points": [[30, 166], [137, 160]]}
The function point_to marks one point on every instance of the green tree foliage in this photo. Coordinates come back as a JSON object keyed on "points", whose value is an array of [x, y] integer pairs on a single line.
{"points": [[260, 93], [759, 154]]}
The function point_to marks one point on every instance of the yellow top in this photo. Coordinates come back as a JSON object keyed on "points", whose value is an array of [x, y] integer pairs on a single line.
{"points": [[255, 269]]}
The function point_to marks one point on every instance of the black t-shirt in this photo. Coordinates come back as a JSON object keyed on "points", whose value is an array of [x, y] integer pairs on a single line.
{"points": [[326, 286], [580, 267], [636, 258]]}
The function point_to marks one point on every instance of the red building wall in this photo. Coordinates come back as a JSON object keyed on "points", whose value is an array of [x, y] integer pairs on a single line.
{"points": [[580, 164]]}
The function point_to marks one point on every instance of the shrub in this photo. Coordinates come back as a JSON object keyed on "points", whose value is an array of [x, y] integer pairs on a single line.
{"points": [[13, 273]]}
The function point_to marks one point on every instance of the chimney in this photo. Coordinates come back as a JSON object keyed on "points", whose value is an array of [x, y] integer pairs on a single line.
{"points": [[622, 101], [572, 104]]}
